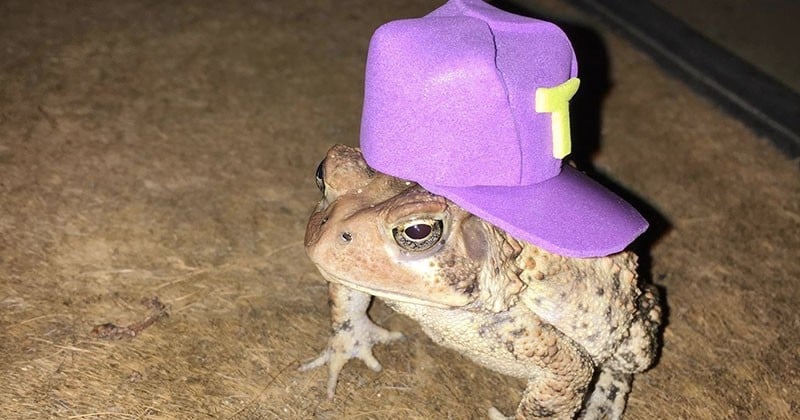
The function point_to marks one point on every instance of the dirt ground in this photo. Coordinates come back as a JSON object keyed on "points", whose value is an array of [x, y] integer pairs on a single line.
{"points": [[167, 149]]}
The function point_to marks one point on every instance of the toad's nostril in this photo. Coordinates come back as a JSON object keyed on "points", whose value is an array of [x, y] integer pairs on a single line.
{"points": [[347, 237]]}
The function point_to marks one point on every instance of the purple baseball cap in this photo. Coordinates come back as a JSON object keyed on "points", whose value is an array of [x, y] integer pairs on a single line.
{"points": [[471, 102]]}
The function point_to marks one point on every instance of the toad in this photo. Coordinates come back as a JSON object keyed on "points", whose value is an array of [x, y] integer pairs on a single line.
{"points": [[576, 329]]}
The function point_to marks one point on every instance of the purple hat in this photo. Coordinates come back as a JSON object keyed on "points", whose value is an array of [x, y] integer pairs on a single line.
{"points": [[472, 103]]}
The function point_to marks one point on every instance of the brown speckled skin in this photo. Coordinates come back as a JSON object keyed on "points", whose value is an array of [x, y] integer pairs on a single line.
{"points": [[576, 329]]}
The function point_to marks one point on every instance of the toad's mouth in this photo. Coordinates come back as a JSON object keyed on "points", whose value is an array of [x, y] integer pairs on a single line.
{"points": [[381, 293]]}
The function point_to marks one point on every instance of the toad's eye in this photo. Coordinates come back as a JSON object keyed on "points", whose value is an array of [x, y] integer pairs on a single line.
{"points": [[418, 235], [321, 176]]}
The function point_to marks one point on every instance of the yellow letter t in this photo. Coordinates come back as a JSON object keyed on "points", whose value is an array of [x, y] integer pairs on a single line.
{"points": [[556, 101]]}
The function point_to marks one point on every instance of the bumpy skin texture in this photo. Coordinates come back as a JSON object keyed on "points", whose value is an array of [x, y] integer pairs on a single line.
{"points": [[576, 329]]}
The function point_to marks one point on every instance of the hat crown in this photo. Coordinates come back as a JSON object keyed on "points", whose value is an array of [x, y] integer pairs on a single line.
{"points": [[450, 97]]}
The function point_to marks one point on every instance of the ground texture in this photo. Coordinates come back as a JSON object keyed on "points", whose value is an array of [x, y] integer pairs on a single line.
{"points": [[167, 150]]}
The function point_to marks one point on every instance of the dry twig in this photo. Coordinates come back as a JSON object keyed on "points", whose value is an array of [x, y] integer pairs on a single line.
{"points": [[111, 331]]}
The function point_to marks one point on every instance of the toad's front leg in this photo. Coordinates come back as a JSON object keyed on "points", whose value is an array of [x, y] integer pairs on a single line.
{"points": [[353, 334], [558, 369]]}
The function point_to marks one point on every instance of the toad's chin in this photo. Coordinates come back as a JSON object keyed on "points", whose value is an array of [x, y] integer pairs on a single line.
{"points": [[383, 294]]}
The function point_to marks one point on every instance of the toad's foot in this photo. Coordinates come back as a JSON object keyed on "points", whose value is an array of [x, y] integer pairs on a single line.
{"points": [[351, 339], [495, 414]]}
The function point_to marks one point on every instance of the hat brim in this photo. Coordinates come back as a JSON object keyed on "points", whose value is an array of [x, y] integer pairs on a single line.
{"points": [[569, 214]]}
